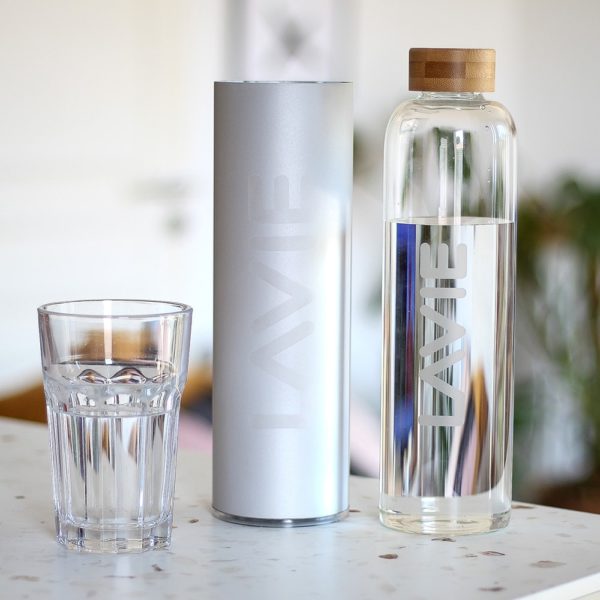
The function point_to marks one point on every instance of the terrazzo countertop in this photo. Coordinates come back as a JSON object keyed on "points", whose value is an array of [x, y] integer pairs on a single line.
{"points": [[544, 553]]}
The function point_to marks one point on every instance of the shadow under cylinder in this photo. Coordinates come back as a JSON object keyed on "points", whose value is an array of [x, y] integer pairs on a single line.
{"points": [[282, 191]]}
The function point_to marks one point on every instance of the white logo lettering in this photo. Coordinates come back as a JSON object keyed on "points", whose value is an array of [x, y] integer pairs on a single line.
{"points": [[453, 332], [279, 211]]}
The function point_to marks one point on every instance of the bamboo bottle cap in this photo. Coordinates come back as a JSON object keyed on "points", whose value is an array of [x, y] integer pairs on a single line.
{"points": [[451, 70]]}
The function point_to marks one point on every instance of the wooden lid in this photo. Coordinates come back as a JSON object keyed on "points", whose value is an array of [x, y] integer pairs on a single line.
{"points": [[451, 70]]}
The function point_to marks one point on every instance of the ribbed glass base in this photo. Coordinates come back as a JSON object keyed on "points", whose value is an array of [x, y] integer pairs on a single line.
{"points": [[114, 540]]}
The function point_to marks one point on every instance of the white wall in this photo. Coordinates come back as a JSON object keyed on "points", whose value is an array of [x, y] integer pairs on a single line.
{"points": [[557, 89], [547, 73], [105, 160], [106, 137]]}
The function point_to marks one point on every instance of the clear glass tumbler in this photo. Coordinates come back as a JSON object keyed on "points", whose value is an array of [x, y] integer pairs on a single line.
{"points": [[113, 372]]}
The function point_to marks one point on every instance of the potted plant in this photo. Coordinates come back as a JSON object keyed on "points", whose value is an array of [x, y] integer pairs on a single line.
{"points": [[558, 308]]}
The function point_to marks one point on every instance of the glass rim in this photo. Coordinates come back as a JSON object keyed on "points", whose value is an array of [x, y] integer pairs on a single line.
{"points": [[169, 308]]}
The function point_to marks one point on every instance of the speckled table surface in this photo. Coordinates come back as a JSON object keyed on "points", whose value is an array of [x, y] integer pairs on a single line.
{"points": [[544, 553]]}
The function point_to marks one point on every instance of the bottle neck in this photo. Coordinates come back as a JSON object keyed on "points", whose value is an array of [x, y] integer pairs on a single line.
{"points": [[464, 96]]}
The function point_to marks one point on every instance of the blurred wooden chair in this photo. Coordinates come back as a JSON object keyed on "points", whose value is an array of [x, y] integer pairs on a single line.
{"points": [[28, 404]]}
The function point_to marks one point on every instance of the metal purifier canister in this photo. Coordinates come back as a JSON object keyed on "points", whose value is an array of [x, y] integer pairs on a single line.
{"points": [[282, 191]]}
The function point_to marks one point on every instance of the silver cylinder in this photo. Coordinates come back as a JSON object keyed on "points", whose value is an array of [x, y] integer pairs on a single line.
{"points": [[282, 185]]}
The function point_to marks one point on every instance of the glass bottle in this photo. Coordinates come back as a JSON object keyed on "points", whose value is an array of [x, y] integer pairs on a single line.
{"points": [[448, 300]]}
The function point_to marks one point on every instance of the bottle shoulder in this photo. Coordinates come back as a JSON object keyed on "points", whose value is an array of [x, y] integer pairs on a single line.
{"points": [[421, 114]]}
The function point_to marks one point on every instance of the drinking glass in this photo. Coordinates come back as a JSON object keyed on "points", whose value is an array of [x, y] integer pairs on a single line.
{"points": [[113, 373]]}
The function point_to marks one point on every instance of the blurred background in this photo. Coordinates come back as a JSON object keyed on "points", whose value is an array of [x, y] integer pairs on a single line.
{"points": [[106, 183]]}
